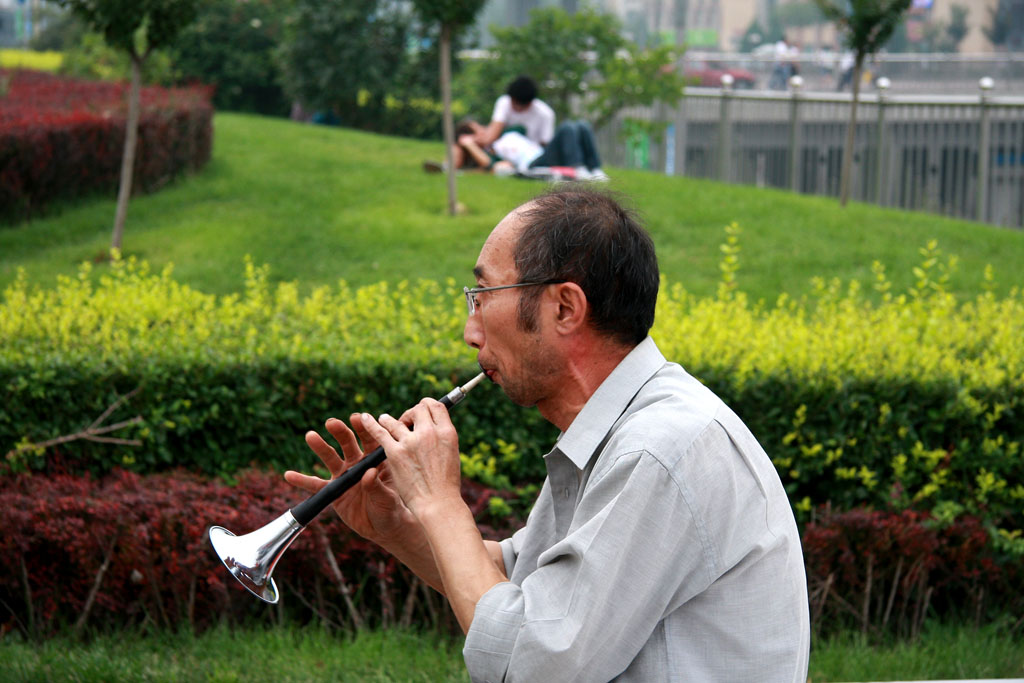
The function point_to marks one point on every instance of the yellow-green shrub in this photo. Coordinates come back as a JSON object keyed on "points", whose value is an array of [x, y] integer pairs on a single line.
{"points": [[12, 58], [910, 400]]}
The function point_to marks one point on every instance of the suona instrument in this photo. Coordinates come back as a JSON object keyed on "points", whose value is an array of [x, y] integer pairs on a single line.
{"points": [[251, 558]]}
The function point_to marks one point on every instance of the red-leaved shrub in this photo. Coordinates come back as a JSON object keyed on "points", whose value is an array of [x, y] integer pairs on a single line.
{"points": [[130, 549], [62, 138], [884, 571], [139, 544]]}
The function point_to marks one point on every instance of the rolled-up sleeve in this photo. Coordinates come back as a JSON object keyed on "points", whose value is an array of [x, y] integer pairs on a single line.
{"points": [[492, 636], [598, 594]]}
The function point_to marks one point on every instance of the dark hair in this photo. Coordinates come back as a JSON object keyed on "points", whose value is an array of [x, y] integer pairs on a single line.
{"points": [[576, 234], [464, 126], [523, 90]]}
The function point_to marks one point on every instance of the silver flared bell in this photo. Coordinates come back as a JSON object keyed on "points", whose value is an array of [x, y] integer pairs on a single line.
{"points": [[251, 558]]}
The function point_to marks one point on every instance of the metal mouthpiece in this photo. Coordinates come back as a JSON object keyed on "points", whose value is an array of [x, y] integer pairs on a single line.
{"points": [[458, 393]]}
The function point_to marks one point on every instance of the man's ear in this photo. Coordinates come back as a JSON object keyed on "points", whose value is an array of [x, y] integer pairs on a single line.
{"points": [[571, 306]]}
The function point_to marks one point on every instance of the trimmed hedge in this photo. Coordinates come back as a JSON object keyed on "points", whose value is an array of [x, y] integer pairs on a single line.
{"points": [[887, 572], [904, 408], [913, 401], [231, 381], [62, 139], [128, 550], [138, 546]]}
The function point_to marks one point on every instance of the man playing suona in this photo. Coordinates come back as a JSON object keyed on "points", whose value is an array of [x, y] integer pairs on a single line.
{"points": [[662, 546]]}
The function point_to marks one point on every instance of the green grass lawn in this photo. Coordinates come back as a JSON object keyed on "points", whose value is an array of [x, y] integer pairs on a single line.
{"points": [[292, 654], [321, 204]]}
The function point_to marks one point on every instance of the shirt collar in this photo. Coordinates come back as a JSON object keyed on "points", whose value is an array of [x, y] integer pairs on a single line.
{"points": [[602, 410]]}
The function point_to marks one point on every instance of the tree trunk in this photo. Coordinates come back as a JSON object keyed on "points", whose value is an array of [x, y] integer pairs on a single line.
{"points": [[851, 130], [449, 125], [131, 139]]}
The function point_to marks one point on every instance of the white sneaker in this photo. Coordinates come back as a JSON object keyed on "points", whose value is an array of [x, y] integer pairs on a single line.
{"points": [[598, 176], [581, 173], [503, 169]]}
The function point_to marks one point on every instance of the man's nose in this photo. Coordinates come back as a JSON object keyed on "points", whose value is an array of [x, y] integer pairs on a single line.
{"points": [[473, 332]]}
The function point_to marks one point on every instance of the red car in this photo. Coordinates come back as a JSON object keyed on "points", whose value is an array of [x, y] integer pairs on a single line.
{"points": [[709, 75]]}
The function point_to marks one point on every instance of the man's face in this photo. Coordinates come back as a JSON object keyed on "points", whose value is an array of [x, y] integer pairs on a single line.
{"points": [[518, 361], [519, 106]]}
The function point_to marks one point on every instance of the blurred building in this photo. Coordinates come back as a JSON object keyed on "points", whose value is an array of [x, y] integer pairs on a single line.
{"points": [[721, 24], [980, 16], [17, 24]]}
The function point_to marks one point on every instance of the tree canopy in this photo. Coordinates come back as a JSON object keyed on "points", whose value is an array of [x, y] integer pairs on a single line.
{"points": [[865, 25], [136, 26]]}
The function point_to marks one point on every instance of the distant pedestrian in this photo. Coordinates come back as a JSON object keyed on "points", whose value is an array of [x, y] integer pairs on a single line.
{"points": [[846, 64]]}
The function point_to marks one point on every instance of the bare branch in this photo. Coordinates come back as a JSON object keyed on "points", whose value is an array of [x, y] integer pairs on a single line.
{"points": [[97, 582], [91, 433], [112, 407]]}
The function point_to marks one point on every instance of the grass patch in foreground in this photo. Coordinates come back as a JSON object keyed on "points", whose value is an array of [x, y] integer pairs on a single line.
{"points": [[222, 654], [320, 204], [294, 654], [942, 652]]}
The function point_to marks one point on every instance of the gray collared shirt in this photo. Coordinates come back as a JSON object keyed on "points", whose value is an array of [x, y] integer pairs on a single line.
{"points": [[662, 547]]}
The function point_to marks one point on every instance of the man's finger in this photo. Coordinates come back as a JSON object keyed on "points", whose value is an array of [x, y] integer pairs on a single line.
{"points": [[346, 438], [325, 452], [394, 428], [305, 482], [377, 430], [369, 443], [438, 413]]}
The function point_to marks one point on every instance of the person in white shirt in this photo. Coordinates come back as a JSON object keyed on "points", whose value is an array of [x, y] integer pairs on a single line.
{"points": [[572, 147], [520, 106], [535, 144]]}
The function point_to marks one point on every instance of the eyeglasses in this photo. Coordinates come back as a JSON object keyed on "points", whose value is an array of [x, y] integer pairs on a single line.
{"points": [[472, 304]]}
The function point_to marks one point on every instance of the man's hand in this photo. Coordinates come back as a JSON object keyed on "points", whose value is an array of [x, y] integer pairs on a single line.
{"points": [[372, 508], [424, 460], [425, 469]]}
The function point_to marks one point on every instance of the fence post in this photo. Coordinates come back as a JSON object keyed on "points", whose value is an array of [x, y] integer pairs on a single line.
{"points": [[679, 140], [882, 84], [984, 135], [795, 83], [658, 147], [723, 129]]}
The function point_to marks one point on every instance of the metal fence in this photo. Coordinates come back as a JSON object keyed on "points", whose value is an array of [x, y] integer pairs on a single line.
{"points": [[909, 73], [960, 156]]}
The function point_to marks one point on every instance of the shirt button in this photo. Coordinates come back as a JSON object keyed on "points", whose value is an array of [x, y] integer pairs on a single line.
{"points": [[565, 493]]}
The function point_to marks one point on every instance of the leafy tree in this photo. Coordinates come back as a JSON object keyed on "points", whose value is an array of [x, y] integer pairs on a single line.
{"points": [[582, 55], [451, 15], [756, 35], [137, 27], [350, 59], [60, 30], [936, 36], [1006, 27], [798, 14], [91, 58], [637, 78], [340, 57], [957, 27], [556, 49], [866, 26], [232, 45]]}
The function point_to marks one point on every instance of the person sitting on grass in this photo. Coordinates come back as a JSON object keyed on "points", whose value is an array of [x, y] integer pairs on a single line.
{"points": [[513, 152]]}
